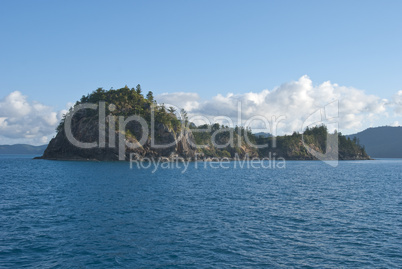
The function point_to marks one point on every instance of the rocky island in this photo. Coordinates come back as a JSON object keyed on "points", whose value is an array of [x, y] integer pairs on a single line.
{"points": [[118, 124]]}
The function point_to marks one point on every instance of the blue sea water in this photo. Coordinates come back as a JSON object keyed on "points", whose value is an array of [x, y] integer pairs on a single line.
{"points": [[63, 214]]}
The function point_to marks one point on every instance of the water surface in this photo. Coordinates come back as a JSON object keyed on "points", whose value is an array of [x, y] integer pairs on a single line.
{"points": [[104, 214]]}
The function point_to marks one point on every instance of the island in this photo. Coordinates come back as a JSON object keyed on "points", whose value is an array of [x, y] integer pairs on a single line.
{"points": [[115, 125]]}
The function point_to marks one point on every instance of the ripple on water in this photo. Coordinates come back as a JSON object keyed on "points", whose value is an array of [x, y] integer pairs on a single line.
{"points": [[89, 214]]}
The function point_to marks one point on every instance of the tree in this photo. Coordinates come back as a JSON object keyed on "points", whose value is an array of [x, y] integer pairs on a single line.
{"points": [[138, 89], [215, 126], [150, 96], [162, 108], [184, 116], [171, 110]]}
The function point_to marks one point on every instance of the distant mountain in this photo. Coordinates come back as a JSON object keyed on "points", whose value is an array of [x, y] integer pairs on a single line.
{"points": [[381, 142], [22, 149]]}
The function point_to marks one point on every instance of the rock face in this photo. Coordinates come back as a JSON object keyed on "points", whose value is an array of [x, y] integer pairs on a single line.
{"points": [[167, 143]]}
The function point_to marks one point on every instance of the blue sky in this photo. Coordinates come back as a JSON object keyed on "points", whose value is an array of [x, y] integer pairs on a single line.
{"points": [[53, 52]]}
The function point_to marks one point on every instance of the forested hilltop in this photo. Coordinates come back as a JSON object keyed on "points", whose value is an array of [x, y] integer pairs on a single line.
{"points": [[290, 147], [185, 140]]}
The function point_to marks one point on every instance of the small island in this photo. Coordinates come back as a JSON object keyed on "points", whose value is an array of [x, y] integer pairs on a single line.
{"points": [[116, 124]]}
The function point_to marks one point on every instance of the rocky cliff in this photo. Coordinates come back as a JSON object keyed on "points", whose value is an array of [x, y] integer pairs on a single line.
{"points": [[60, 148], [100, 136]]}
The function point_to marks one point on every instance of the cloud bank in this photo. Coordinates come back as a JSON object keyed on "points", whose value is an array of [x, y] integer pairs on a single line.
{"points": [[24, 121], [294, 101]]}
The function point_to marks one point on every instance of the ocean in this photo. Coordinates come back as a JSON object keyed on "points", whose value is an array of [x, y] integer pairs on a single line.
{"points": [[67, 214]]}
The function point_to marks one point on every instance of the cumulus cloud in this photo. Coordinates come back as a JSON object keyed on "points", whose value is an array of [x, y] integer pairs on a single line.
{"points": [[25, 121], [188, 101], [397, 103], [294, 101]]}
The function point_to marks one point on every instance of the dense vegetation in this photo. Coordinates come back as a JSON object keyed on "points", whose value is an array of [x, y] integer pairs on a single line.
{"points": [[291, 146], [127, 102], [287, 146]]}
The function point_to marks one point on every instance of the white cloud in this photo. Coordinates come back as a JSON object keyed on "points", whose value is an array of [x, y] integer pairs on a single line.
{"points": [[24, 121], [397, 103], [184, 100], [295, 100]]}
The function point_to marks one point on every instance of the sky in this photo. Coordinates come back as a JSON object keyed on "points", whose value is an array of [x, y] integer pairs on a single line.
{"points": [[276, 57]]}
